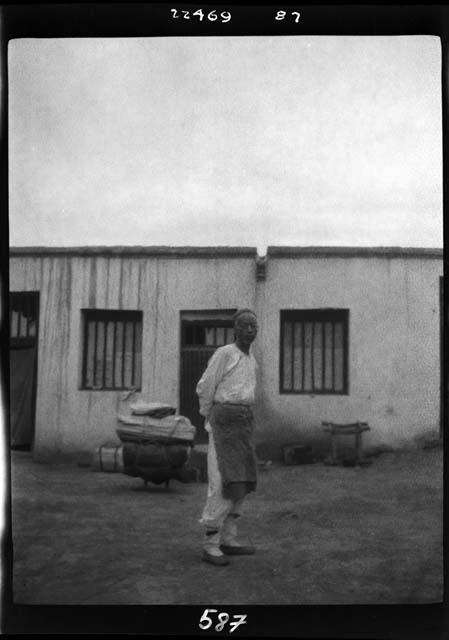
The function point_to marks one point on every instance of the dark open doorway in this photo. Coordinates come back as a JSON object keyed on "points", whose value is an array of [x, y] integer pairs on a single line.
{"points": [[23, 341], [444, 387], [202, 332]]}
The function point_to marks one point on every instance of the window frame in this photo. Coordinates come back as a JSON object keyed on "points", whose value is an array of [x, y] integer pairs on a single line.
{"points": [[108, 315], [321, 315]]}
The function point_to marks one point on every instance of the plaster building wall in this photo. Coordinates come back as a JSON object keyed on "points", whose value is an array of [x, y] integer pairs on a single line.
{"points": [[69, 419], [394, 344], [394, 334]]}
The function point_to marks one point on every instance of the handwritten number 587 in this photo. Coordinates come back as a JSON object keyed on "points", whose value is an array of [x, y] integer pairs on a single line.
{"points": [[223, 618]]}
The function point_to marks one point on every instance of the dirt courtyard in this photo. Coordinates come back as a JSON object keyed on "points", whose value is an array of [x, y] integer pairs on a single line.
{"points": [[324, 535]]}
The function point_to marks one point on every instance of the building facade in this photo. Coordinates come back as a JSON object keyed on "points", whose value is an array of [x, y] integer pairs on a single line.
{"points": [[345, 334]]}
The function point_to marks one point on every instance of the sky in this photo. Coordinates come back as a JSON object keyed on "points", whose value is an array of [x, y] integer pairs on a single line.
{"points": [[255, 141]]}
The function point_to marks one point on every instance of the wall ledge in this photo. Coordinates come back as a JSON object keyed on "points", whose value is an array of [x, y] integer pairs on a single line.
{"points": [[136, 251], [353, 252]]}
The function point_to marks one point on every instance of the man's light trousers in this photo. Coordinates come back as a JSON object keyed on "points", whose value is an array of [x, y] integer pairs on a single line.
{"points": [[219, 514]]}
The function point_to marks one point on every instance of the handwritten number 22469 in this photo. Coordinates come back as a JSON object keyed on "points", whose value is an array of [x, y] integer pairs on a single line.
{"points": [[212, 15]]}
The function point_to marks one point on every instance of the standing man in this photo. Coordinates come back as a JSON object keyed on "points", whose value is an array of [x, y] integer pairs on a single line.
{"points": [[226, 393]]}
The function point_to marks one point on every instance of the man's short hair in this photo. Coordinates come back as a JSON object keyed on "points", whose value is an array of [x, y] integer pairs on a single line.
{"points": [[238, 313]]}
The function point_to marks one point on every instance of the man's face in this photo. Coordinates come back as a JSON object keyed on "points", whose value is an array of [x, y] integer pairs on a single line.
{"points": [[245, 329]]}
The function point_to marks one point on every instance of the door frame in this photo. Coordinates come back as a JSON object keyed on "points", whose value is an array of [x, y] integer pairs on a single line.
{"points": [[22, 341], [199, 317]]}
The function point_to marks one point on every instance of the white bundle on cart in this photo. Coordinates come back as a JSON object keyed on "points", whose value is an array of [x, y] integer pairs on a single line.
{"points": [[144, 428]]}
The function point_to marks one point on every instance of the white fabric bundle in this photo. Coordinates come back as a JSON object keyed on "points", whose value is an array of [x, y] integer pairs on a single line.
{"points": [[178, 427]]}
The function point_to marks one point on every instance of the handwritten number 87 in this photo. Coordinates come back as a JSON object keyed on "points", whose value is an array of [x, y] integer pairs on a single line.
{"points": [[281, 15]]}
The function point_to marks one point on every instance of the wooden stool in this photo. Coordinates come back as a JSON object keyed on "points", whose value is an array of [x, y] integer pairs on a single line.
{"points": [[352, 428]]}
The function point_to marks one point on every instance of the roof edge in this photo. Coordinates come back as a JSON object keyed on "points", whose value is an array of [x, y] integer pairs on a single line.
{"points": [[136, 251], [353, 252], [230, 251]]}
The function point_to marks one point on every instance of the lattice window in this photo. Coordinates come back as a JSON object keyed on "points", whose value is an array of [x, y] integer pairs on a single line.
{"points": [[314, 351], [112, 354], [23, 314]]}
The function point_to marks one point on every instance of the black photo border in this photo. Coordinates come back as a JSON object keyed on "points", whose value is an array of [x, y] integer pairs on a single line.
{"points": [[143, 19]]}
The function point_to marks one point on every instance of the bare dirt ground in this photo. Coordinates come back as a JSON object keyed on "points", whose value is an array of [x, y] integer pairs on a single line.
{"points": [[324, 535]]}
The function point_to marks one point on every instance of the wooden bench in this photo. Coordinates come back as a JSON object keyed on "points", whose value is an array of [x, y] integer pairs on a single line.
{"points": [[352, 428]]}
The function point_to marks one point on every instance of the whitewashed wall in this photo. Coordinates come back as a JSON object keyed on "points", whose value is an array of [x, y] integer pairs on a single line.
{"points": [[394, 345], [394, 338], [69, 419]]}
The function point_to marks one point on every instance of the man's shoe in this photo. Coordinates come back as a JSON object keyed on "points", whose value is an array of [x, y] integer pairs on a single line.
{"points": [[237, 550], [219, 561]]}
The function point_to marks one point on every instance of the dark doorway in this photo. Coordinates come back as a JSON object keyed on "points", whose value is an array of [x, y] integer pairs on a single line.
{"points": [[23, 340], [444, 385], [202, 332]]}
